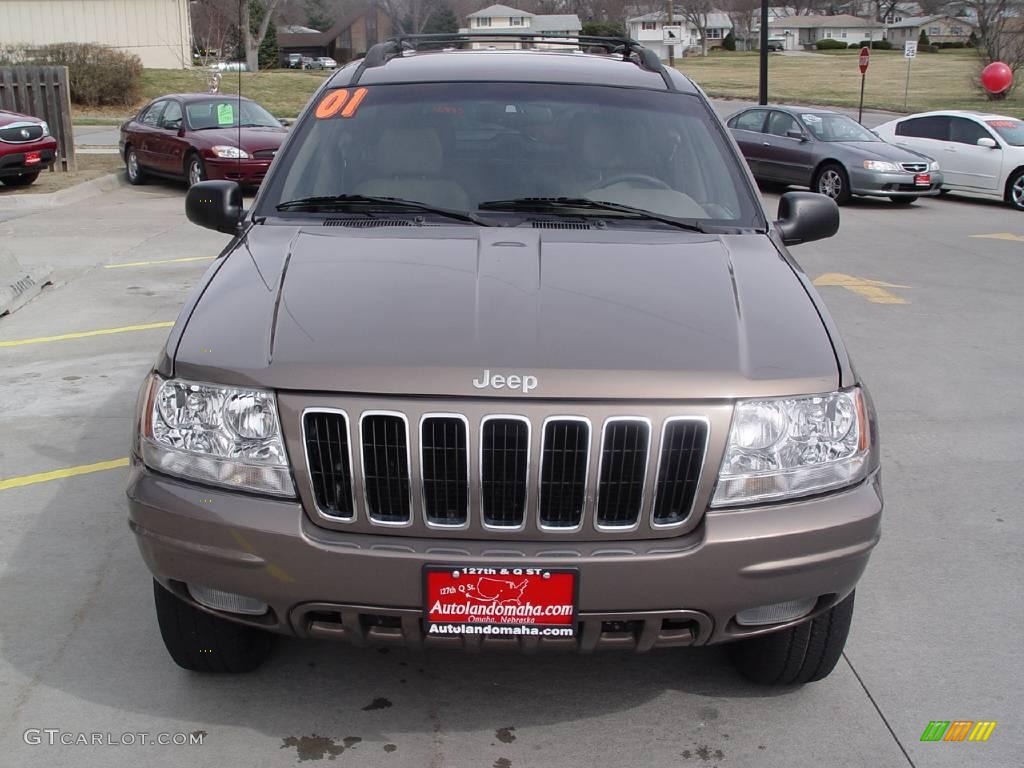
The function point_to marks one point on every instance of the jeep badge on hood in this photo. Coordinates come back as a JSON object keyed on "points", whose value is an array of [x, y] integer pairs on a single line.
{"points": [[512, 381]]}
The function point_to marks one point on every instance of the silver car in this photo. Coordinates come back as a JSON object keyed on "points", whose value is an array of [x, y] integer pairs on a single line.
{"points": [[832, 154]]}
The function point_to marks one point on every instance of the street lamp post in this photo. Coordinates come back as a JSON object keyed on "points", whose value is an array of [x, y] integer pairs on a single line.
{"points": [[671, 48], [763, 80]]}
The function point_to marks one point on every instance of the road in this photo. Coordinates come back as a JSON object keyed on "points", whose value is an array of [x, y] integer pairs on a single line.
{"points": [[936, 633]]}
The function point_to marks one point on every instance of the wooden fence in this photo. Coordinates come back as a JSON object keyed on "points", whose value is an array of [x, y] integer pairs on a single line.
{"points": [[42, 92]]}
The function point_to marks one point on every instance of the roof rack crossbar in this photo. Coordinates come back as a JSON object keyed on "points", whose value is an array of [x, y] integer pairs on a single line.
{"points": [[381, 53]]}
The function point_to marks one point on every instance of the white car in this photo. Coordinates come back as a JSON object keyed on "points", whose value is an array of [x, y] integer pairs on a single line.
{"points": [[979, 153], [325, 62]]}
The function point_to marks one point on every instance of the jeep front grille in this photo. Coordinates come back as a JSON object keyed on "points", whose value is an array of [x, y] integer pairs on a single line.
{"points": [[477, 474]]}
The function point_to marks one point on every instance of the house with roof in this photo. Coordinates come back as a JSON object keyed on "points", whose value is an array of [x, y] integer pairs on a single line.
{"points": [[502, 19], [649, 29], [348, 38], [800, 32], [939, 28]]}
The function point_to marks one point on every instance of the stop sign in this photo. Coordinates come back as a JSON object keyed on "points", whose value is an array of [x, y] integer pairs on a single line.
{"points": [[865, 54]]}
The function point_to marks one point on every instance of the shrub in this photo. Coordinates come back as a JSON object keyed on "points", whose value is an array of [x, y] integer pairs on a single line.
{"points": [[96, 74], [829, 45], [729, 43], [953, 44], [922, 39], [972, 40], [881, 45]]}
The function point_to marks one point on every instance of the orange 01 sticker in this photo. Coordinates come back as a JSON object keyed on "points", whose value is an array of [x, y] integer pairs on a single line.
{"points": [[331, 104]]}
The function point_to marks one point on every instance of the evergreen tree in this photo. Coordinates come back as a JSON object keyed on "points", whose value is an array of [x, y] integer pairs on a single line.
{"points": [[442, 20]]}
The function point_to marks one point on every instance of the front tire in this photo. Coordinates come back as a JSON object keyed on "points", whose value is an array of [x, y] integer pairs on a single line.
{"points": [[903, 200], [132, 169], [801, 654], [1015, 190], [195, 170], [22, 180], [831, 180], [201, 642]]}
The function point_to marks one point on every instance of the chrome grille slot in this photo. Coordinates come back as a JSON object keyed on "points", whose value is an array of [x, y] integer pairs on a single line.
{"points": [[914, 167], [624, 453], [21, 133], [444, 459], [683, 444], [565, 455], [385, 444], [504, 470], [325, 434]]}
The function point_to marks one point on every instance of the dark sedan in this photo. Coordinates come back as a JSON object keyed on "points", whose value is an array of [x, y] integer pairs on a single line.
{"points": [[198, 136], [26, 148], [832, 154]]}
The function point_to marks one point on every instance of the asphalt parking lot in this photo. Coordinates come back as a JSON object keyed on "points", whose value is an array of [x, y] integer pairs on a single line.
{"points": [[929, 300]]}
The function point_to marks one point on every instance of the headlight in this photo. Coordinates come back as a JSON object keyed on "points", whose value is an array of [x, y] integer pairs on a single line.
{"points": [[46, 128], [233, 153], [221, 435], [789, 447], [880, 165], [933, 165]]}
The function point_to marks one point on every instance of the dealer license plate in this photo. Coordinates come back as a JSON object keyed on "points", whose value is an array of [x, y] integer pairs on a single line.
{"points": [[498, 601], [31, 158], [923, 180]]}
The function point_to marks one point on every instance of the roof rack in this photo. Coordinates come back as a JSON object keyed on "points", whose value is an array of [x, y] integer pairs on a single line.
{"points": [[397, 46]]}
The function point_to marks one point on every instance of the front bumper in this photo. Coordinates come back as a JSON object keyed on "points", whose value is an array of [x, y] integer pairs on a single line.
{"points": [[636, 594], [14, 157], [873, 184], [245, 172]]}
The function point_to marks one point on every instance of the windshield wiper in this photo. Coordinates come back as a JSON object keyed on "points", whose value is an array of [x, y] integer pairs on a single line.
{"points": [[560, 204], [334, 202]]}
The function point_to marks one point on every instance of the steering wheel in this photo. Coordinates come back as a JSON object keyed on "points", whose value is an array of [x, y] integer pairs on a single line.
{"points": [[649, 181]]}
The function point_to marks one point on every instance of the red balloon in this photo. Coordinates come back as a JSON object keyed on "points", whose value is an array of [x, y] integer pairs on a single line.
{"points": [[997, 77]]}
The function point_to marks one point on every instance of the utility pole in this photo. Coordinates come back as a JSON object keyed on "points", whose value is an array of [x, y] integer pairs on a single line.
{"points": [[671, 48], [763, 82]]}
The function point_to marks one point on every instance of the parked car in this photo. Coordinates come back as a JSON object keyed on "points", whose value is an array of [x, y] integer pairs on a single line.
{"points": [[324, 62], [455, 384], [26, 148], [776, 44], [230, 66], [982, 154], [199, 136], [308, 62], [832, 154], [293, 61]]}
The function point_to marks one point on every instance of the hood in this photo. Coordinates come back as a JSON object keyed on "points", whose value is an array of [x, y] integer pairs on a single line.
{"points": [[6, 118], [253, 139], [428, 311], [881, 150]]}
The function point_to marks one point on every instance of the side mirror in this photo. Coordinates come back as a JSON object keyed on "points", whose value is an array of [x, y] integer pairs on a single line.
{"points": [[987, 142], [285, 122], [796, 135], [806, 216], [216, 205]]}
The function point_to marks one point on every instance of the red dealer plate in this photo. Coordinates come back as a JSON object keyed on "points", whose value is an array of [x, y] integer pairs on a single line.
{"points": [[31, 158], [923, 180], [500, 601]]}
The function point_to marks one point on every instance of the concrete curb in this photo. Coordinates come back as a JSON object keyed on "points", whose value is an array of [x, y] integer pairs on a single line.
{"points": [[19, 285], [67, 196]]}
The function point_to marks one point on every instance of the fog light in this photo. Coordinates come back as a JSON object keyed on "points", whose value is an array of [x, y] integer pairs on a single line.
{"points": [[777, 613], [227, 601]]}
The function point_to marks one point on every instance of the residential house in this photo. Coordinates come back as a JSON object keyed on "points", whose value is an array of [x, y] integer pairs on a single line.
{"points": [[159, 32], [940, 29], [348, 38], [803, 32], [501, 20], [649, 30]]}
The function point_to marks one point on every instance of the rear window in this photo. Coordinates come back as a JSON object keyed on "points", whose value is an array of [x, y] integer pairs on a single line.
{"points": [[457, 145]]}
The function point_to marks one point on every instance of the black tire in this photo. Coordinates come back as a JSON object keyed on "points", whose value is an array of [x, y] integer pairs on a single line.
{"points": [[132, 168], [903, 200], [1015, 190], [832, 180], [943, 192], [195, 169], [801, 654], [22, 180], [201, 642]]}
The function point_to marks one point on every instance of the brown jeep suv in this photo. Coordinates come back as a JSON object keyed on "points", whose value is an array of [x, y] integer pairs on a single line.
{"points": [[506, 354]]}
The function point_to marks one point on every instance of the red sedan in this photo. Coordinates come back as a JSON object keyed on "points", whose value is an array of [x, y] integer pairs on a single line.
{"points": [[198, 136], [26, 148]]}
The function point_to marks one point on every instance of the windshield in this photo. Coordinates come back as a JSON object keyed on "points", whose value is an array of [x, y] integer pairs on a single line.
{"points": [[223, 113], [829, 127], [458, 145], [1011, 131]]}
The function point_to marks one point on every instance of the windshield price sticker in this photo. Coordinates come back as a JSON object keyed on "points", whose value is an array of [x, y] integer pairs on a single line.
{"points": [[512, 601], [337, 102], [225, 114]]}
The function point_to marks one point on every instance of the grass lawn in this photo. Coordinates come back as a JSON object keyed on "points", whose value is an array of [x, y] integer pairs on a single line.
{"points": [[283, 92], [937, 80]]}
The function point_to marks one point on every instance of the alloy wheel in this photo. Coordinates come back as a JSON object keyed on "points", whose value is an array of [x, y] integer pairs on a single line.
{"points": [[195, 172], [133, 165], [831, 184], [1017, 192]]}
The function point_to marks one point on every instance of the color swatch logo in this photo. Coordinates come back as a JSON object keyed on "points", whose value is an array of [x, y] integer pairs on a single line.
{"points": [[958, 730]]}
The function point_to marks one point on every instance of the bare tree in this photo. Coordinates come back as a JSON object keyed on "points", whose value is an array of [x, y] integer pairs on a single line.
{"points": [[214, 27], [697, 13], [251, 40], [1000, 32], [408, 16], [744, 15]]}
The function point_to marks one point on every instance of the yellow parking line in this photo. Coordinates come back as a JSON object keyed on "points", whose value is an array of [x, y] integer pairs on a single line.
{"points": [[1001, 236], [58, 474], [85, 334], [158, 261]]}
